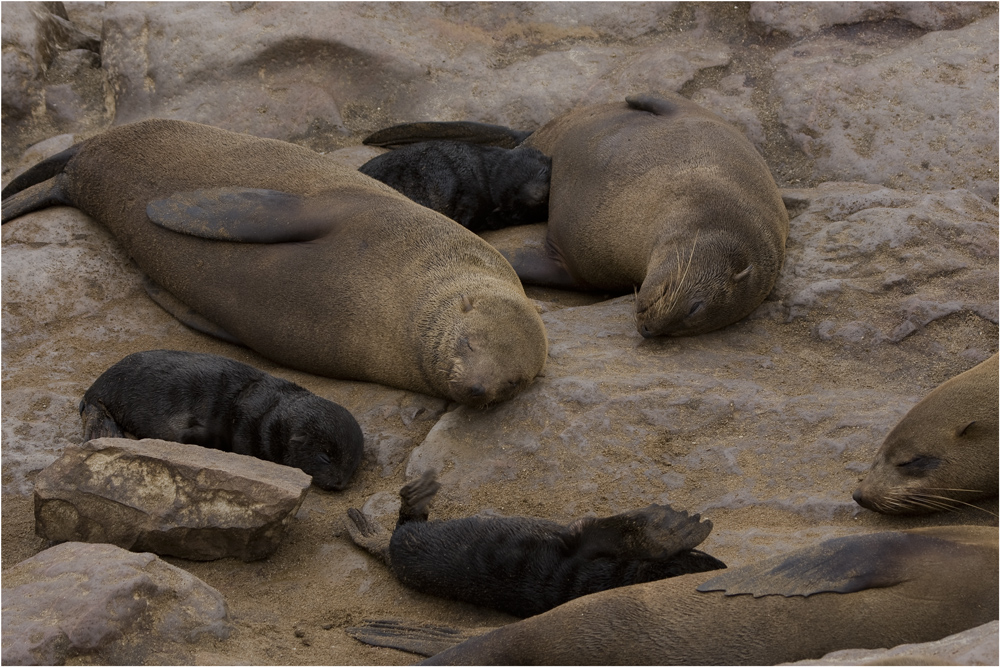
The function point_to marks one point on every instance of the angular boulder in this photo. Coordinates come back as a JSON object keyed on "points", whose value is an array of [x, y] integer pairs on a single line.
{"points": [[103, 602], [168, 498]]}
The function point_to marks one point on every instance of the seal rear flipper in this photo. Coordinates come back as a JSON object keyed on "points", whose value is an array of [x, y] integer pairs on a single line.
{"points": [[369, 535], [36, 197], [840, 565], [537, 266], [464, 131], [424, 639], [43, 171], [652, 104], [416, 498], [184, 314], [98, 423], [242, 215]]}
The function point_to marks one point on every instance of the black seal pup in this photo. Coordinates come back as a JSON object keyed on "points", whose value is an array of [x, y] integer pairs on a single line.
{"points": [[943, 453], [525, 566], [654, 194], [208, 400], [304, 260], [479, 187]]}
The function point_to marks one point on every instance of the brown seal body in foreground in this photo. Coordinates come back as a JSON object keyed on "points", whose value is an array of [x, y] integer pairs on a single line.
{"points": [[212, 401], [525, 566], [306, 261], [944, 452], [654, 193], [863, 591]]}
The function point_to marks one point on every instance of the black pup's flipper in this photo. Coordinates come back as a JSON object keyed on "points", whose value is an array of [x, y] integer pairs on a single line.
{"points": [[243, 215], [48, 193], [652, 104], [539, 266], [97, 423], [416, 498], [656, 532], [43, 171], [423, 639], [464, 131], [369, 535], [183, 313], [840, 565]]}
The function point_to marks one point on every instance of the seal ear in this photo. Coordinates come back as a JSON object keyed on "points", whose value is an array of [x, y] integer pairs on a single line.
{"points": [[743, 274], [467, 304], [244, 215], [960, 431]]}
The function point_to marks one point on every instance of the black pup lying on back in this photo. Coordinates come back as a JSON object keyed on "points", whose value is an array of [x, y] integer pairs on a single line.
{"points": [[527, 566], [479, 187], [212, 401]]}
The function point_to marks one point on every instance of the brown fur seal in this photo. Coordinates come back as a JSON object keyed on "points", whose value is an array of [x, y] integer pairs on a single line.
{"points": [[863, 591], [212, 401], [655, 193], [306, 261], [943, 453], [525, 566]]}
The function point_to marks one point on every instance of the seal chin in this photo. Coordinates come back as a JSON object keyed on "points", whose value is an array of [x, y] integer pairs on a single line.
{"points": [[481, 394]]}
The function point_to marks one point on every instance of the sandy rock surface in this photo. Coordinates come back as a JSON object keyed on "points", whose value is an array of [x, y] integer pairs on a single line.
{"points": [[889, 285]]}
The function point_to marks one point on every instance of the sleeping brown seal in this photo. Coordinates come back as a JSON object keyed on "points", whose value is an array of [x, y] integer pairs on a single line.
{"points": [[943, 453], [863, 591], [212, 401], [306, 261], [655, 193], [525, 566]]}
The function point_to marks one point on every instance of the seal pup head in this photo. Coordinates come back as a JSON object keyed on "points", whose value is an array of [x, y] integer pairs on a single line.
{"points": [[697, 286], [487, 343], [943, 453], [322, 439]]}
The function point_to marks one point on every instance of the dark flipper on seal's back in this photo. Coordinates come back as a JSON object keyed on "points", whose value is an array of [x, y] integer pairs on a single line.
{"points": [[464, 131], [840, 565]]}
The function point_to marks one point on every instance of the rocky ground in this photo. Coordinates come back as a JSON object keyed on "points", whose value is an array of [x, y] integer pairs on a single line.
{"points": [[878, 120]]}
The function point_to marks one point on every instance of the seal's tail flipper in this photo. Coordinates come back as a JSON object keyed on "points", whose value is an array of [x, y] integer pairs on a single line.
{"points": [[34, 198], [421, 638], [416, 498], [43, 171], [369, 535], [465, 131], [652, 104]]}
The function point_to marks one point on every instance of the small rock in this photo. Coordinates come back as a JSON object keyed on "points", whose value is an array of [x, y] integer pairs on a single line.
{"points": [[168, 498], [104, 602]]}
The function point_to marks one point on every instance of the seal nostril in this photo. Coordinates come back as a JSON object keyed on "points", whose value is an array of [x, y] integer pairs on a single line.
{"points": [[477, 390], [857, 495], [646, 333]]}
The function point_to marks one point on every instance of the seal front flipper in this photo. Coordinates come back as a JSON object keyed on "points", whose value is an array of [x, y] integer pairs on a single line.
{"points": [[652, 104], [539, 266], [244, 215], [464, 131], [184, 314], [840, 565], [425, 639]]}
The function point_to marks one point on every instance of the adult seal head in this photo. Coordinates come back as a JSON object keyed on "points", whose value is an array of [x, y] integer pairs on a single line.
{"points": [[304, 260], [943, 453], [653, 193], [212, 401], [862, 591]]}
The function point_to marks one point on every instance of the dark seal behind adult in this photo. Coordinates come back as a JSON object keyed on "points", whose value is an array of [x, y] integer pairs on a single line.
{"points": [[525, 566], [944, 452], [308, 262], [212, 401], [862, 591], [480, 187], [655, 194]]}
